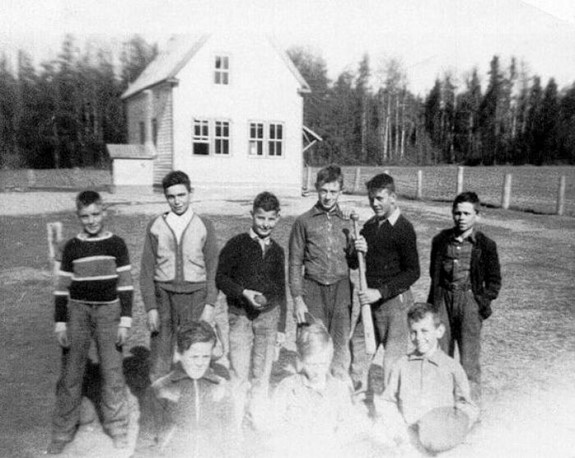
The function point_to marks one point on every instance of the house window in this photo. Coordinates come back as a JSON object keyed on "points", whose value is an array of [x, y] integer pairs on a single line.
{"points": [[266, 139], [256, 139], [222, 70], [211, 137], [275, 139], [201, 137], [155, 131], [222, 137], [142, 132]]}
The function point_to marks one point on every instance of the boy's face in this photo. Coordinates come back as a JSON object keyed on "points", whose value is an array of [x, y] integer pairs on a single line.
{"points": [[382, 202], [464, 216], [178, 198], [92, 218], [196, 359], [424, 335], [263, 222], [316, 367], [328, 194]]}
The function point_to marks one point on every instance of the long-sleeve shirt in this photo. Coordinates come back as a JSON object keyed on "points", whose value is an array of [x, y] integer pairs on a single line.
{"points": [[244, 265], [391, 261], [419, 384], [95, 270], [319, 244], [181, 265]]}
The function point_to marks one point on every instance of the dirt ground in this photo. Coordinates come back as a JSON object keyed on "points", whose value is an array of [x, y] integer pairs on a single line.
{"points": [[529, 343]]}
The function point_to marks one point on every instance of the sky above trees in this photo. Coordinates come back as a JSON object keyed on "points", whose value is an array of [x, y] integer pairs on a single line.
{"points": [[429, 37]]}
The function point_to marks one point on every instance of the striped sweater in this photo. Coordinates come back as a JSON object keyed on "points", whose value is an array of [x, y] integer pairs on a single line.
{"points": [[95, 270]]}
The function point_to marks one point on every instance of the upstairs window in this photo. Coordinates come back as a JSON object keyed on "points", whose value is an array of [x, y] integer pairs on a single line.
{"points": [[266, 139], [222, 70]]}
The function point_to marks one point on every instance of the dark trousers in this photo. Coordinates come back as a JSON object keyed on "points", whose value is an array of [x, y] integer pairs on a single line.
{"points": [[390, 325], [332, 305], [460, 313], [87, 322], [175, 310]]}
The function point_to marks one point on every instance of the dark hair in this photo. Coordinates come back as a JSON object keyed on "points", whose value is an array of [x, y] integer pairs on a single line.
{"points": [[194, 332], [467, 196], [381, 181], [329, 174], [267, 202], [176, 177], [87, 198], [420, 310]]}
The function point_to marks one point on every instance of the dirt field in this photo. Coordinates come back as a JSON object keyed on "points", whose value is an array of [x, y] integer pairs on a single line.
{"points": [[529, 342]]}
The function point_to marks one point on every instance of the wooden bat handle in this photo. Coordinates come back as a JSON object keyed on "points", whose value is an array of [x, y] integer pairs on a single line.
{"points": [[368, 330]]}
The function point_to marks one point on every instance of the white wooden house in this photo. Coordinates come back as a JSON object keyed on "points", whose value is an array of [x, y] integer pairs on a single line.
{"points": [[226, 109]]}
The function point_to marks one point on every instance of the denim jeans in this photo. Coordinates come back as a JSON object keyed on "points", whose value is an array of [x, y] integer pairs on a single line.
{"points": [[390, 326], [332, 305], [175, 310], [252, 347], [99, 322]]}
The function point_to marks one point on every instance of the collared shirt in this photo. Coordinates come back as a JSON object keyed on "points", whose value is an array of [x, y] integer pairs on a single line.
{"points": [[419, 384], [457, 259], [318, 244], [178, 223], [391, 219], [264, 242]]}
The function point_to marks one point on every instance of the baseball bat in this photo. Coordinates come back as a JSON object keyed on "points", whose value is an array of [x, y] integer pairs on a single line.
{"points": [[368, 331]]}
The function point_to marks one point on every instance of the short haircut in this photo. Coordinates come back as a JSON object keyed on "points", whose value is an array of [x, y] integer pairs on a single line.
{"points": [[176, 177], [379, 182], [87, 198], [329, 174], [194, 332], [267, 202], [467, 196], [312, 339], [420, 310]]}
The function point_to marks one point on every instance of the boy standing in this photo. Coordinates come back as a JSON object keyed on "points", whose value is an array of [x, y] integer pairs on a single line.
{"points": [[251, 273], [392, 266], [177, 275], [465, 278], [93, 299], [193, 408], [428, 391], [318, 266]]}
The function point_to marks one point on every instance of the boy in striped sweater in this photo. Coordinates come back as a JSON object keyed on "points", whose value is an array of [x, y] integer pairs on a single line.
{"points": [[93, 299]]}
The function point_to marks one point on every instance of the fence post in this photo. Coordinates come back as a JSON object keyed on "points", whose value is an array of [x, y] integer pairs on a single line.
{"points": [[506, 199], [561, 196], [309, 178], [419, 190], [357, 180], [31, 178], [54, 233], [459, 189]]}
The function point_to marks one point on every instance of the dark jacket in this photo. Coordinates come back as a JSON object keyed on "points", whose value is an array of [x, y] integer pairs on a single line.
{"points": [[485, 271]]}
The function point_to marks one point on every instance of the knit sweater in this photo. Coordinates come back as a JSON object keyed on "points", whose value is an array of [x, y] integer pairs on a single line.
{"points": [[242, 265], [96, 270]]}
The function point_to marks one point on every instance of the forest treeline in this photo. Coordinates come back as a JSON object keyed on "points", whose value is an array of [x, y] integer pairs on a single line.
{"points": [[62, 113]]}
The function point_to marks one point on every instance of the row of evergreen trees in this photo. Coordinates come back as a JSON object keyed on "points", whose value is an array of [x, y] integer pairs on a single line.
{"points": [[370, 116], [63, 114]]}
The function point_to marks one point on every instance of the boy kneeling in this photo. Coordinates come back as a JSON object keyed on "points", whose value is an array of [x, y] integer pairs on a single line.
{"points": [[428, 391], [194, 412]]}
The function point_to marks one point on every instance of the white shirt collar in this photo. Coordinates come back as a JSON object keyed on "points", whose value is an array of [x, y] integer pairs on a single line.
{"points": [[254, 236]]}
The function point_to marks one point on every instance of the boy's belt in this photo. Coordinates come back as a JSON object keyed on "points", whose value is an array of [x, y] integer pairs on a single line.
{"points": [[460, 286]]}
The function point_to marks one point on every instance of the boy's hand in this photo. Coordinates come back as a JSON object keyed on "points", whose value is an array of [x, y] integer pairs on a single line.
{"points": [[122, 337], [153, 320], [360, 244], [300, 309], [208, 314], [280, 339], [369, 296], [250, 295], [62, 338]]}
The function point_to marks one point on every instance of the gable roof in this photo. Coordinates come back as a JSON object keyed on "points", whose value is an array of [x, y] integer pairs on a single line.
{"points": [[178, 52]]}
